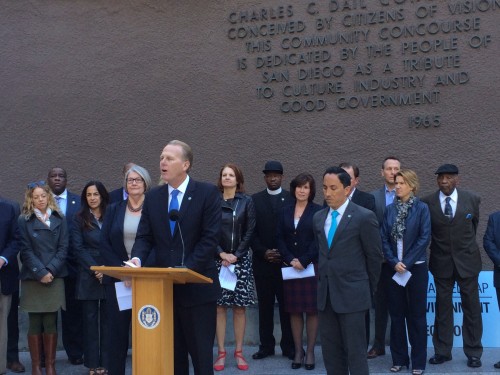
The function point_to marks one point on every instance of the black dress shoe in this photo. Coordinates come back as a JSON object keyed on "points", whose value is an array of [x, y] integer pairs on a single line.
{"points": [[497, 365], [76, 361], [439, 359], [474, 362], [262, 354], [309, 366]]}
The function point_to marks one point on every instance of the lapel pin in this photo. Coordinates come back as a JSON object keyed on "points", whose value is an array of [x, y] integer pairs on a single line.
{"points": [[189, 198], [348, 215]]}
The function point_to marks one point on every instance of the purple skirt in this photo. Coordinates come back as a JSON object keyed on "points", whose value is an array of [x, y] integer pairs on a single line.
{"points": [[301, 294]]}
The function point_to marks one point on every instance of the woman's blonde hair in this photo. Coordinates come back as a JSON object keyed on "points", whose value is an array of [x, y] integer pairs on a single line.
{"points": [[29, 207], [410, 177]]}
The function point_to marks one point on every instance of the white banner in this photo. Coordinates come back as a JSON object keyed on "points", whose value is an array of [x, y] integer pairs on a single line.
{"points": [[489, 309]]}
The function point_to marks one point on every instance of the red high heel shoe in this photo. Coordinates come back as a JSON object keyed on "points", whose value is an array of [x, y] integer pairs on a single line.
{"points": [[238, 354], [221, 355]]}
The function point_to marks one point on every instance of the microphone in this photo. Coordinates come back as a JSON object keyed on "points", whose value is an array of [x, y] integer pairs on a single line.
{"points": [[174, 216]]}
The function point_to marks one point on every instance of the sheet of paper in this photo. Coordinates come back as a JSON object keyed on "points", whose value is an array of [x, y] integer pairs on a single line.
{"points": [[402, 278], [123, 296], [289, 273], [227, 277], [130, 264]]}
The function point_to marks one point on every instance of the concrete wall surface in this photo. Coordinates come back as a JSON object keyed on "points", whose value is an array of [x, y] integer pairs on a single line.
{"points": [[88, 85]]}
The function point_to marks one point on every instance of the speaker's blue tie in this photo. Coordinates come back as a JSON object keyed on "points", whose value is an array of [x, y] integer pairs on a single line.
{"points": [[174, 205]]}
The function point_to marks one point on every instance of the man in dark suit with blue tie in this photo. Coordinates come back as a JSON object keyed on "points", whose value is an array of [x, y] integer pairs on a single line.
{"points": [[491, 243], [72, 321], [350, 255], [455, 257], [199, 218], [9, 271]]}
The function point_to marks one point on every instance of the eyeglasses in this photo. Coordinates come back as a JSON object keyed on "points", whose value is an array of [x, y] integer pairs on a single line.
{"points": [[136, 180], [35, 184]]}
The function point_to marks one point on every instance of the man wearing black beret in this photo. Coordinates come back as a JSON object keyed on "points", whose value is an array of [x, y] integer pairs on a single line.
{"points": [[454, 258]]}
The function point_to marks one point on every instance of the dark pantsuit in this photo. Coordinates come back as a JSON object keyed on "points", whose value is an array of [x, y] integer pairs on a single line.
{"points": [[13, 329], [343, 341], [95, 327], [187, 322], [407, 306], [116, 346], [269, 289], [472, 324], [72, 321], [381, 307]]}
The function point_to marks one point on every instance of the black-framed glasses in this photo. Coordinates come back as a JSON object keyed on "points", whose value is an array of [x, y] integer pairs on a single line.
{"points": [[35, 184], [138, 180]]}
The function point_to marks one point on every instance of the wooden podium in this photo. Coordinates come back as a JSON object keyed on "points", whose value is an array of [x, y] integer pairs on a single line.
{"points": [[153, 314]]}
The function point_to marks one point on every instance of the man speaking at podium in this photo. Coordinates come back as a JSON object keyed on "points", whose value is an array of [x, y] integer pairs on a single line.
{"points": [[189, 240]]}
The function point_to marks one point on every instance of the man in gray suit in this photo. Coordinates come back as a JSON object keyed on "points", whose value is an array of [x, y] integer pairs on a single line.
{"points": [[454, 258], [350, 254], [383, 197]]}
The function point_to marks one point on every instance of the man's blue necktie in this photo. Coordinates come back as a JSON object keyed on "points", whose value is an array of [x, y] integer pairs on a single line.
{"points": [[174, 205], [333, 228]]}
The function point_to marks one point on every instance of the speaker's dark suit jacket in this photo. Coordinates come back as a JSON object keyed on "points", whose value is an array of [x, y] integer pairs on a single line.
{"points": [[453, 242], [9, 238], [351, 265], [199, 219], [491, 243]]}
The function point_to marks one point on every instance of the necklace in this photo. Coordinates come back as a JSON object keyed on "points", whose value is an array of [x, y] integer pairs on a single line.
{"points": [[132, 209]]}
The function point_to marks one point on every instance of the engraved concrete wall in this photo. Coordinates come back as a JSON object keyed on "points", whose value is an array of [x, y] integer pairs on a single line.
{"points": [[89, 85]]}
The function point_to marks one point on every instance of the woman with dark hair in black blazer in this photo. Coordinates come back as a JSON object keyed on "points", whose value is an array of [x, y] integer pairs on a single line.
{"points": [[117, 239], [86, 235], [406, 233], [296, 244]]}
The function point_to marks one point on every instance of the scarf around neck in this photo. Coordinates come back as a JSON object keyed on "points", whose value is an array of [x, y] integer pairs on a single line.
{"points": [[399, 227]]}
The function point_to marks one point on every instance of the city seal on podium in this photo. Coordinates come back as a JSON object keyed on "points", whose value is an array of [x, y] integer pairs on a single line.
{"points": [[149, 316]]}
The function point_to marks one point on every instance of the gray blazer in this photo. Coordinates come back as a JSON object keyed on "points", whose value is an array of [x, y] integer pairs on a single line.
{"points": [[43, 249], [379, 203], [454, 243], [350, 269]]}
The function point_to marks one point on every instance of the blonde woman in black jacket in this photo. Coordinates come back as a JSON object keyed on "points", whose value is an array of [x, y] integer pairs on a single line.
{"points": [[43, 249]]}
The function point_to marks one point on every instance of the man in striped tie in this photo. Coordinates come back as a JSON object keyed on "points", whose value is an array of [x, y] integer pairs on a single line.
{"points": [[350, 256]]}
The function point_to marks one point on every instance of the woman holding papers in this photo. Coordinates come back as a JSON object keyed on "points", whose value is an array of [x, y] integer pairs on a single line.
{"points": [[238, 223], [86, 235], [298, 249], [117, 239], [406, 233]]}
